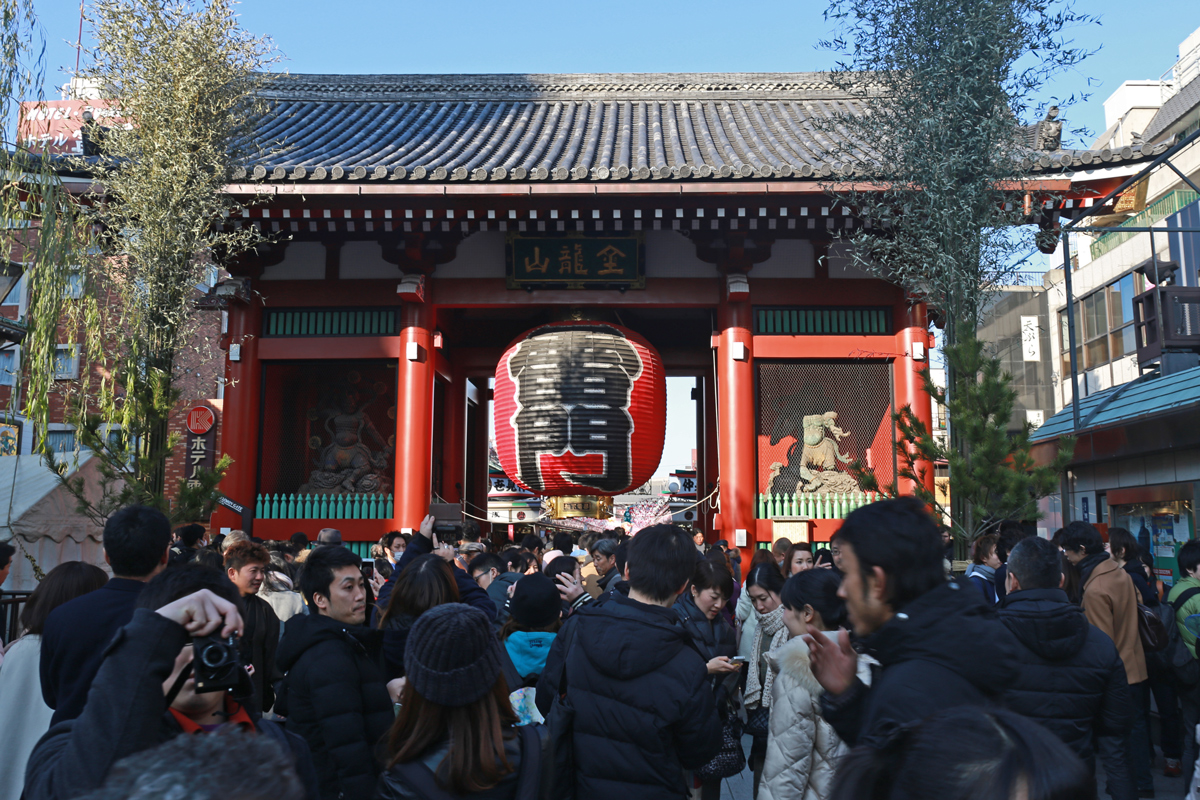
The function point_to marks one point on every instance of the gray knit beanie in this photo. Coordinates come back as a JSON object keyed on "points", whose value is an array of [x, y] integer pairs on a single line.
{"points": [[452, 656]]}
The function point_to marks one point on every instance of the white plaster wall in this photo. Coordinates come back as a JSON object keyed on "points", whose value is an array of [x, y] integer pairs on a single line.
{"points": [[840, 265], [364, 260], [480, 255], [302, 261], [790, 258], [672, 255]]}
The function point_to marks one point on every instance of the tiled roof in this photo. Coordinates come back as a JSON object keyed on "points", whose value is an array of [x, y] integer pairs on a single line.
{"points": [[1140, 398], [569, 127], [1184, 101]]}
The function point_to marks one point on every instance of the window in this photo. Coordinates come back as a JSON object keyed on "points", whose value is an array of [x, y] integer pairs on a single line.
{"points": [[8, 366], [66, 362], [74, 288], [13, 298], [60, 442], [1103, 324]]}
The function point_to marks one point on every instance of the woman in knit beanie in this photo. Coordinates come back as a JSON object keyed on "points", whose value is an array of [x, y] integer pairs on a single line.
{"points": [[535, 615], [455, 726]]}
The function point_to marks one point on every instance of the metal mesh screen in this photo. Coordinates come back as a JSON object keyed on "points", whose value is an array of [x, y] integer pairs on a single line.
{"points": [[802, 447], [328, 428]]}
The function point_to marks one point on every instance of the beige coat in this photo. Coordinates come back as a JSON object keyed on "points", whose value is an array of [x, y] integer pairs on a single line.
{"points": [[1110, 603], [802, 749]]}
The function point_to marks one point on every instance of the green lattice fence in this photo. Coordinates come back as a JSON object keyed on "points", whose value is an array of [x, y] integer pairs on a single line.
{"points": [[323, 506]]}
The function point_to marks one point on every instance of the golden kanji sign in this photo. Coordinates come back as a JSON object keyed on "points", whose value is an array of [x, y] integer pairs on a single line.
{"points": [[575, 262]]}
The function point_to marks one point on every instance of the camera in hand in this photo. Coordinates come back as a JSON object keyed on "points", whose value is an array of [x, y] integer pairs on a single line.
{"points": [[216, 665]]}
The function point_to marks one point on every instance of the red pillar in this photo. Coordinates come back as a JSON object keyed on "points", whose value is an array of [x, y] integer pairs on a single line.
{"points": [[414, 416], [708, 477], [912, 338], [454, 437], [735, 411], [241, 413], [479, 456]]}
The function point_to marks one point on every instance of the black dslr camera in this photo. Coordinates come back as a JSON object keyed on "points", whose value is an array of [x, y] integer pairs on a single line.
{"points": [[216, 664]]}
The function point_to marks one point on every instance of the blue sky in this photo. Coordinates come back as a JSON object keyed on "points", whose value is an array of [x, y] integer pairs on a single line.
{"points": [[519, 36]]}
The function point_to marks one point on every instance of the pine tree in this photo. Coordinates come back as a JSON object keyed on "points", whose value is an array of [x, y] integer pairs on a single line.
{"points": [[994, 475]]}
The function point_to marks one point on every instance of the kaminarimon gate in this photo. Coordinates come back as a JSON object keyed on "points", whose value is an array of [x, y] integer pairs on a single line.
{"points": [[428, 222]]}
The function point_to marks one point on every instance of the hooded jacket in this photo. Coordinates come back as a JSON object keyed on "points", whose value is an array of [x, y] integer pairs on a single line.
{"points": [[643, 706], [803, 750], [946, 648], [1071, 680], [335, 697]]}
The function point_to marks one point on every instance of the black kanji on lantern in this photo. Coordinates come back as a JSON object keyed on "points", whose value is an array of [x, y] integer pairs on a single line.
{"points": [[573, 388]]}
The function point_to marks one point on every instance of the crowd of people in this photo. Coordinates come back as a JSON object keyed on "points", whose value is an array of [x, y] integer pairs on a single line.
{"points": [[601, 665]]}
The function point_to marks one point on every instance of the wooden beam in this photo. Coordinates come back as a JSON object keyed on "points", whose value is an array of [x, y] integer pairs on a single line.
{"points": [[328, 347]]}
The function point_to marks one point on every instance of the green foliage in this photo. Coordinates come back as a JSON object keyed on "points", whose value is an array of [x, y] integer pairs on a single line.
{"points": [[182, 82], [992, 475], [941, 90]]}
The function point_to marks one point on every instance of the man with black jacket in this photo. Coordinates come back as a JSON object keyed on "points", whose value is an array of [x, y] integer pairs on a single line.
{"points": [[1072, 680], [938, 644], [126, 711], [643, 706], [334, 695], [137, 543], [246, 565]]}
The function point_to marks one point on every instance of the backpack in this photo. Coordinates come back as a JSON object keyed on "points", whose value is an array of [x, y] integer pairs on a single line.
{"points": [[1177, 658]]}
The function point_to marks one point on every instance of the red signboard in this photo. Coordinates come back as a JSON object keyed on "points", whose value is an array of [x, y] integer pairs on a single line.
{"points": [[580, 408], [200, 420], [53, 126]]}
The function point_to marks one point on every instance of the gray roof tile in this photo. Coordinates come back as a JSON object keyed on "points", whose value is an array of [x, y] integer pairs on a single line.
{"points": [[1184, 101], [569, 127]]}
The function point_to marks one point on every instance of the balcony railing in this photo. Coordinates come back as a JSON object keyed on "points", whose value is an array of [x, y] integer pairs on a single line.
{"points": [[1157, 211], [323, 506], [812, 505]]}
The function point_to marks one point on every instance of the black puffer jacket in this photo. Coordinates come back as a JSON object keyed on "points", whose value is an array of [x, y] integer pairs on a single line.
{"points": [[1072, 680], [712, 638], [643, 707], [335, 697], [944, 649]]}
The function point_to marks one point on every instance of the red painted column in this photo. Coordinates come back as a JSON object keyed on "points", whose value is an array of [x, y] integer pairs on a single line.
{"points": [[735, 414], [414, 416], [479, 456], [708, 477], [241, 411], [454, 437], [912, 337]]}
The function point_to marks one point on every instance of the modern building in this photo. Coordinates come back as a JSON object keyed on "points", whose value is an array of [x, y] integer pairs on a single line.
{"points": [[1137, 460]]}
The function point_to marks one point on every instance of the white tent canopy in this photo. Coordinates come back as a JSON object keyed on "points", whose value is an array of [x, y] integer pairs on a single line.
{"points": [[39, 519]]}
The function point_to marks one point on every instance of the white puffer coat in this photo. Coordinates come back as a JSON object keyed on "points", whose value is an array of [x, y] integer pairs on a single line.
{"points": [[802, 749]]}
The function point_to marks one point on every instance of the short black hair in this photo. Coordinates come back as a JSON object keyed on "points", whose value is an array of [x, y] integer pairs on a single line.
{"points": [[135, 539], [1035, 563], [7, 551], [661, 560], [485, 561], [817, 588], [902, 538], [1120, 540], [299, 539], [560, 565], [188, 535], [470, 531], [1080, 535], [390, 537], [1189, 557], [622, 556], [1010, 532], [711, 575], [174, 584], [531, 542], [317, 576], [766, 575], [564, 542]]}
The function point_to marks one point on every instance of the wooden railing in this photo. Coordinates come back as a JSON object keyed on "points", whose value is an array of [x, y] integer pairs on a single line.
{"points": [[323, 506]]}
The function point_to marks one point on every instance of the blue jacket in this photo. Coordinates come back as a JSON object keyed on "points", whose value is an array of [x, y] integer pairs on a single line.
{"points": [[528, 651], [73, 643]]}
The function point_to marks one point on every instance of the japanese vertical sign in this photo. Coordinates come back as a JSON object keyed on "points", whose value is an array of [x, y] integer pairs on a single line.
{"points": [[200, 424], [575, 262]]}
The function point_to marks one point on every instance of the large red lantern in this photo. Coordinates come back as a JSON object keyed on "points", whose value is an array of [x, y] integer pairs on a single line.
{"points": [[580, 408]]}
